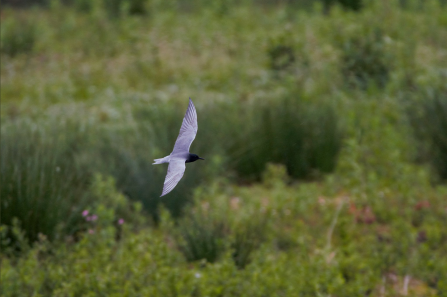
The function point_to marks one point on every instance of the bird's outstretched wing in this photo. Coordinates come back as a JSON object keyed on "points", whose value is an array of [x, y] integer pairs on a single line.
{"points": [[188, 130], [176, 169]]}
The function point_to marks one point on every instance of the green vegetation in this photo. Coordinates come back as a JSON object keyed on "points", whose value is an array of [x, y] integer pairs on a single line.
{"points": [[18, 35], [322, 128], [43, 187], [429, 121]]}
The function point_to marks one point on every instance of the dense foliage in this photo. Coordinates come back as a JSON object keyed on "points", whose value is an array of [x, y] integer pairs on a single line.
{"points": [[323, 131]]}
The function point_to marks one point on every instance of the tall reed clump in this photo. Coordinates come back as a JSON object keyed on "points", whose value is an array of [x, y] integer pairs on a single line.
{"points": [[41, 183], [248, 236], [305, 137], [201, 237], [428, 118], [203, 234]]}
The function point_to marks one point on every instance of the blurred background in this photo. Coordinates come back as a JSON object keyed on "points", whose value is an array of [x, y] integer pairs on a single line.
{"points": [[323, 125]]}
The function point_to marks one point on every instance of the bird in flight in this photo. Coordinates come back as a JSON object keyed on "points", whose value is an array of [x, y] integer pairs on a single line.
{"points": [[180, 154]]}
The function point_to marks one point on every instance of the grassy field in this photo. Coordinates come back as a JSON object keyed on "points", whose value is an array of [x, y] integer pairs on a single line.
{"points": [[322, 125]]}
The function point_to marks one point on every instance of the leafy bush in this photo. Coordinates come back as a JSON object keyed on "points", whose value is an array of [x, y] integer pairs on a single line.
{"points": [[104, 194]]}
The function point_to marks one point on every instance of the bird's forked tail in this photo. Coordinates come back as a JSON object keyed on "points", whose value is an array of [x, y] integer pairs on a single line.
{"points": [[161, 160]]}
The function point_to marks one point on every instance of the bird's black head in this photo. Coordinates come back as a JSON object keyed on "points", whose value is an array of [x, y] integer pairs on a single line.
{"points": [[192, 158]]}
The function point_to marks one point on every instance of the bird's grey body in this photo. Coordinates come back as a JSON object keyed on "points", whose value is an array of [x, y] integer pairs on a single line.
{"points": [[180, 154]]}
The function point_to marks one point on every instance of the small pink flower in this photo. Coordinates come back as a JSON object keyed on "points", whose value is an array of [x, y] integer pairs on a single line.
{"points": [[88, 219], [120, 221], [85, 213], [91, 231]]}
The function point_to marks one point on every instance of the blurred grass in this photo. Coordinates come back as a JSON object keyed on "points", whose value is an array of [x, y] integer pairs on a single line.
{"points": [[345, 101]]}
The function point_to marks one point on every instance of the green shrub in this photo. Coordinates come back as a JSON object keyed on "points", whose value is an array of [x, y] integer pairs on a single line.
{"points": [[275, 175], [104, 193]]}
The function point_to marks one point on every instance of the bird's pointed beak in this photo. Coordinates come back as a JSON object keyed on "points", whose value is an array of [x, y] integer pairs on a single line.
{"points": [[201, 158]]}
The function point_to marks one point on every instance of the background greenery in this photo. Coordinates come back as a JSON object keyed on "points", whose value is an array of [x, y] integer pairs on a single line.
{"points": [[322, 125]]}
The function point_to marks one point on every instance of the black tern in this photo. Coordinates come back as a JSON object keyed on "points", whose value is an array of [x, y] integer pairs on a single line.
{"points": [[180, 154]]}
